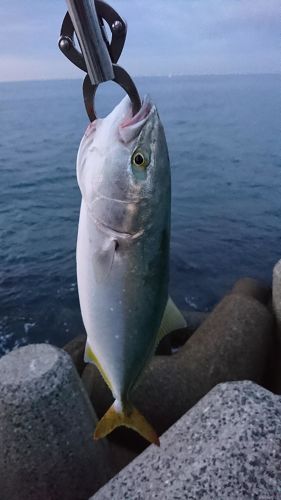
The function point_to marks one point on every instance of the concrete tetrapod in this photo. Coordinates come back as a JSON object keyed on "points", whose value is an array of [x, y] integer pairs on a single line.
{"points": [[252, 288], [46, 429], [276, 296], [232, 344], [275, 364], [227, 447], [75, 348]]}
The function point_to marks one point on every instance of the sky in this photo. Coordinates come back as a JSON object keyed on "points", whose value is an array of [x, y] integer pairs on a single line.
{"points": [[164, 37]]}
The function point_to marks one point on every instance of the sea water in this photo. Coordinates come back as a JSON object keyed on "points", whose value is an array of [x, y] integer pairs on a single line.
{"points": [[223, 134]]}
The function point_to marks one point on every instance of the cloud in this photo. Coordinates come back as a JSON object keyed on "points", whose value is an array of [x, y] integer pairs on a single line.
{"points": [[35, 68], [179, 36]]}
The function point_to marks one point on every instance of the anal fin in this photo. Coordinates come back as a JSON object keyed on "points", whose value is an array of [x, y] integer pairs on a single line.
{"points": [[90, 357]]}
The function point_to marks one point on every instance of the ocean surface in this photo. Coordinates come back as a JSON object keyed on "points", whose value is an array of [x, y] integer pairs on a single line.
{"points": [[224, 139]]}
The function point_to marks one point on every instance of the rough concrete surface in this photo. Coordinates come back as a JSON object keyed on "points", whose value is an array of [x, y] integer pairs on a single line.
{"points": [[276, 296], [46, 429], [227, 447], [253, 288], [75, 348]]}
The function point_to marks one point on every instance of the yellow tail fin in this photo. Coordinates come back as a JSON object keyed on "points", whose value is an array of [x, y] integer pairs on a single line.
{"points": [[132, 418]]}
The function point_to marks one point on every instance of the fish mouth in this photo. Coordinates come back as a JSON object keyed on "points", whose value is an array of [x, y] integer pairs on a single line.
{"points": [[131, 125], [115, 232], [141, 115]]}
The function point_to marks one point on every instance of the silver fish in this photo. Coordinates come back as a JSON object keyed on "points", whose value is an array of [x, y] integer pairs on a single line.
{"points": [[123, 173]]}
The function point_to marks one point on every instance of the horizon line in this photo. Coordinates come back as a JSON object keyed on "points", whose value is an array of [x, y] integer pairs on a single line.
{"points": [[169, 75]]}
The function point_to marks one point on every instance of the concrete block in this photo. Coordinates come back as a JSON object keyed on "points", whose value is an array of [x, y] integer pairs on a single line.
{"points": [[46, 429], [273, 376], [276, 295], [75, 348], [194, 319], [251, 287], [227, 447]]}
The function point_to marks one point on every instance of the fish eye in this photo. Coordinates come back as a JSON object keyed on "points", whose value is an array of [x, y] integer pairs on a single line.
{"points": [[139, 159]]}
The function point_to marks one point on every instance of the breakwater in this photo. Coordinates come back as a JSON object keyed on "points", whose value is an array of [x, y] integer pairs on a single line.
{"points": [[50, 403]]}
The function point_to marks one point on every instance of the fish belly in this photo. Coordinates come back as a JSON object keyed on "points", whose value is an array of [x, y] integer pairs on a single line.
{"points": [[121, 307]]}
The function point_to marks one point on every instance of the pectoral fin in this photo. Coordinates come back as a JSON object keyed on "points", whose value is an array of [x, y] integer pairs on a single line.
{"points": [[172, 320], [103, 259]]}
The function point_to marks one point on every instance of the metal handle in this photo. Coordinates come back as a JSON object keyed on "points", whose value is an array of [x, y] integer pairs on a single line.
{"points": [[98, 56], [93, 46]]}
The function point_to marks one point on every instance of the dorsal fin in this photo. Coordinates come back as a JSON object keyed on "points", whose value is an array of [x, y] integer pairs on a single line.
{"points": [[172, 320]]}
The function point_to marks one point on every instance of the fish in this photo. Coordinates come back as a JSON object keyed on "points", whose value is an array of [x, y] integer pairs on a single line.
{"points": [[122, 254]]}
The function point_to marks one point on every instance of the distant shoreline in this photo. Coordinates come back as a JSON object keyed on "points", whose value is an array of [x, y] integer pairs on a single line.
{"points": [[171, 75]]}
